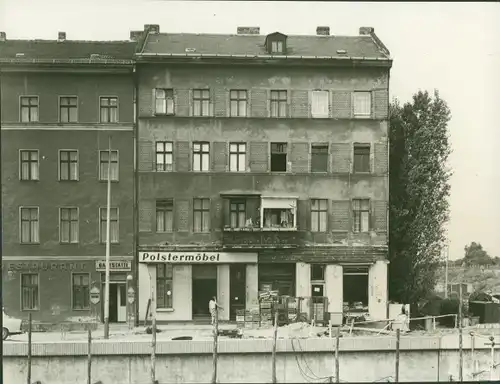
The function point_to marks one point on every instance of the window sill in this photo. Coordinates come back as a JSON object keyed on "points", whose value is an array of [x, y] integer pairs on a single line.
{"points": [[202, 233], [80, 309], [362, 116], [165, 232], [38, 243], [108, 122], [70, 181], [279, 229], [105, 181], [104, 243], [164, 310], [163, 171], [361, 173], [30, 310], [29, 180], [66, 243], [159, 114]]}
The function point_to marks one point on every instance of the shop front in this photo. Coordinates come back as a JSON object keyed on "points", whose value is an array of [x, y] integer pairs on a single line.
{"points": [[57, 289], [179, 285]]}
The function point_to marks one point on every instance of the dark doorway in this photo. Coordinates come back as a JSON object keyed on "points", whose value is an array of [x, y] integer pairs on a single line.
{"points": [[113, 303], [204, 288], [279, 276], [237, 288]]}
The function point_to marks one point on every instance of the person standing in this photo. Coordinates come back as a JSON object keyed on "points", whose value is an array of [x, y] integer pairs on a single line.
{"points": [[213, 306]]}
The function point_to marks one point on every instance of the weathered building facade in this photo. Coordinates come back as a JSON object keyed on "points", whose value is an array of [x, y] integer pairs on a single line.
{"points": [[262, 163], [60, 101]]}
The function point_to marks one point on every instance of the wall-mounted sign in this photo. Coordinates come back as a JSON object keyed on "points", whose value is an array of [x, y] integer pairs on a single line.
{"points": [[95, 295], [198, 257], [131, 295], [46, 266], [114, 266]]}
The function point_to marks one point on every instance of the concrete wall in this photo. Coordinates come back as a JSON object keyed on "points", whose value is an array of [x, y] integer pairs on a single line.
{"points": [[423, 359]]}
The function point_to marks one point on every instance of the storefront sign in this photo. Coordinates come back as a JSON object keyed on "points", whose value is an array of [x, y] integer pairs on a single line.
{"points": [[46, 266], [114, 266], [197, 257], [131, 295], [95, 295]]}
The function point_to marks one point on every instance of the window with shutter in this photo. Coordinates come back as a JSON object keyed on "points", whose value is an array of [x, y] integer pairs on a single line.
{"points": [[319, 104]]}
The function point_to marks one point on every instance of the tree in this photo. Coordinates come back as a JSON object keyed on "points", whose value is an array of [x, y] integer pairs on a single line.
{"points": [[476, 255], [418, 193]]}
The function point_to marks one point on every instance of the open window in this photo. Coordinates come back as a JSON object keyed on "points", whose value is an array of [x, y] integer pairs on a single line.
{"points": [[279, 213], [241, 212]]}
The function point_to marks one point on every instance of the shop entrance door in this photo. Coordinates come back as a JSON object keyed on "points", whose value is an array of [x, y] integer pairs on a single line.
{"points": [[117, 303], [204, 288], [237, 288]]}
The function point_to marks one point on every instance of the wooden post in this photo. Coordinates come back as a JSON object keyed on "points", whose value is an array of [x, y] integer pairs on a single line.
{"points": [[398, 339], [337, 365], [89, 357], [275, 339], [216, 337], [29, 347], [153, 353], [460, 336]]}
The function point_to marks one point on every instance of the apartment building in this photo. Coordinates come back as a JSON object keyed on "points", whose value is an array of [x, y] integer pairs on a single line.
{"points": [[61, 100], [262, 163]]}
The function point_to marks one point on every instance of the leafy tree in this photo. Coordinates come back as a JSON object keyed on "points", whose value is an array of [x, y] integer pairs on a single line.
{"points": [[476, 255], [418, 193]]}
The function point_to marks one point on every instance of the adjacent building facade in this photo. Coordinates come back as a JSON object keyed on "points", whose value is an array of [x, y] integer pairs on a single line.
{"points": [[262, 164], [61, 100]]}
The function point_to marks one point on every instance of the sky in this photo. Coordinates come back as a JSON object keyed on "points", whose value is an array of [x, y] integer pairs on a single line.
{"points": [[452, 47]]}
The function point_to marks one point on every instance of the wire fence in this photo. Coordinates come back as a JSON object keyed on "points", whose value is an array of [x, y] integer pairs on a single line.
{"points": [[299, 356]]}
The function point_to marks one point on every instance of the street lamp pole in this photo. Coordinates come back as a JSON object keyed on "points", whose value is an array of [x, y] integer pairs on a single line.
{"points": [[108, 246]]}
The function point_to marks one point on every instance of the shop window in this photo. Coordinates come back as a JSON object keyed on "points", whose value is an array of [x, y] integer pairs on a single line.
{"points": [[318, 272], [164, 285], [30, 298], [278, 157], [114, 228], [355, 287], [81, 291], [237, 213], [361, 215], [201, 215], [164, 215], [319, 215]]}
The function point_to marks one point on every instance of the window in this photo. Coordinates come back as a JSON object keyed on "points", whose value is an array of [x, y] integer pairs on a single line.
{"points": [[30, 231], [29, 165], [278, 103], [29, 292], [81, 291], [361, 214], [29, 109], [237, 213], [319, 158], [68, 109], [68, 165], [201, 102], [201, 213], [164, 101], [278, 157], [68, 226], [109, 109], [164, 285], [114, 229], [319, 104], [362, 103], [164, 156], [237, 157], [318, 271], [361, 158], [164, 215], [319, 215], [104, 161], [238, 103], [277, 47], [201, 156], [279, 218]]}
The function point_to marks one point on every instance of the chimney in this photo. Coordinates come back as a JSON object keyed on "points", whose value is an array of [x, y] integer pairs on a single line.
{"points": [[363, 31], [248, 31], [135, 35], [323, 31], [152, 28], [61, 36]]}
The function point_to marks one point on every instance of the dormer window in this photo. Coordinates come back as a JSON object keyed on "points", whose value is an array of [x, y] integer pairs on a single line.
{"points": [[276, 43]]}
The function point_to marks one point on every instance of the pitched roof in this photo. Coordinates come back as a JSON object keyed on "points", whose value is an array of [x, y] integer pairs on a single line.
{"points": [[68, 50], [254, 45]]}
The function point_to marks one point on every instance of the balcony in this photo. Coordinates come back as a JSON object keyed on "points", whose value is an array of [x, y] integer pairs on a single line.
{"points": [[261, 238]]}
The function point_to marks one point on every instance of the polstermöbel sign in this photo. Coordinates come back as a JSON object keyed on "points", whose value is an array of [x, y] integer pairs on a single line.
{"points": [[197, 257]]}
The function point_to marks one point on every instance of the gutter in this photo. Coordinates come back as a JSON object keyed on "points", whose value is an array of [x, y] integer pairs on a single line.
{"points": [[65, 61], [135, 213], [282, 57]]}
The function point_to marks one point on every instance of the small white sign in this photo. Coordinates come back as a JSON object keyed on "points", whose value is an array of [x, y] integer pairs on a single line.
{"points": [[198, 257], [114, 266]]}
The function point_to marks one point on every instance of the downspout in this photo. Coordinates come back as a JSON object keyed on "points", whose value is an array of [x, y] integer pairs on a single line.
{"points": [[135, 215]]}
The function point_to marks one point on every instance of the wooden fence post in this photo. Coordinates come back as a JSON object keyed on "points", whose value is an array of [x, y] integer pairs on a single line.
{"points": [[337, 364], [153, 352], [29, 347], [460, 336], [89, 357], [398, 339], [275, 339], [215, 347]]}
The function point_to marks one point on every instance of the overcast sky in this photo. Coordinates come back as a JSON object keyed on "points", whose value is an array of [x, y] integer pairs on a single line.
{"points": [[454, 47]]}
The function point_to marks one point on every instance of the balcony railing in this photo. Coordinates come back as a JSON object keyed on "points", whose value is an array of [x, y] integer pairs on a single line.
{"points": [[261, 238]]}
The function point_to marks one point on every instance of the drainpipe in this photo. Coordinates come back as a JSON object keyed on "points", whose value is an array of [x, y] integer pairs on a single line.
{"points": [[135, 262]]}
